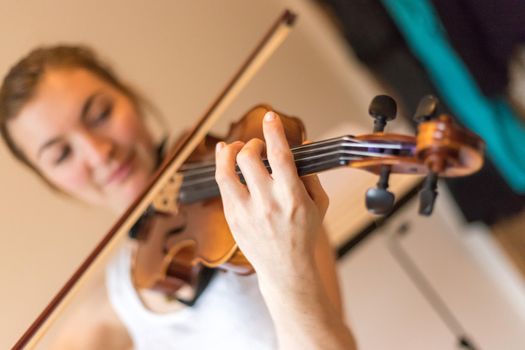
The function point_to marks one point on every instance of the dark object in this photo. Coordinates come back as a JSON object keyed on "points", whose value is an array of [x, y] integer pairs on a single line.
{"points": [[428, 194], [426, 109], [383, 109], [485, 35], [465, 343], [379, 201]]}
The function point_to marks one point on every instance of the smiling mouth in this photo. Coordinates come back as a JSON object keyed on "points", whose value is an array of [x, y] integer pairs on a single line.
{"points": [[122, 172]]}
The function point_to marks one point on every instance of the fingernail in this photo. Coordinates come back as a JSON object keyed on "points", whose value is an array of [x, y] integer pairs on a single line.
{"points": [[269, 116], [219, 146]]}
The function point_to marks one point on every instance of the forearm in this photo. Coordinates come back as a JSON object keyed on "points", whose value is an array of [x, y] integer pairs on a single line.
{"points": [[303, 315], [326, 266]]}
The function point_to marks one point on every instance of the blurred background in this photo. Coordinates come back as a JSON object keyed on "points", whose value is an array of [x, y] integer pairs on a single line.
{"points": [[451, 281]]}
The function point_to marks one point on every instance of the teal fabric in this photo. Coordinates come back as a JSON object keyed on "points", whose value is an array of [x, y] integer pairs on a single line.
{"points": [[492, 119]]}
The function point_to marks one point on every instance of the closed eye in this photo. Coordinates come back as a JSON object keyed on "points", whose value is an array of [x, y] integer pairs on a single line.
{"points": [[64, 154], [102, 116], [97, 109]]}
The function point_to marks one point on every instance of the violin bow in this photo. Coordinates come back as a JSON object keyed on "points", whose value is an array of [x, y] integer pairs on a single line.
{"points": [[262, 52]]}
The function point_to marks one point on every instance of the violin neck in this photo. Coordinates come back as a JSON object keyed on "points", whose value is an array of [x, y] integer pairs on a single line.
{"points": [[199, 178]]}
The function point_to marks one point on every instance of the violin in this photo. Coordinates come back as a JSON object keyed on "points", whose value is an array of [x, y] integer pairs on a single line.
{"points": [[184, 229], [167, 219]]}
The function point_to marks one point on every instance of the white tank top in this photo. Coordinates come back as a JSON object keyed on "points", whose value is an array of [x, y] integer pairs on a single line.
{"points": [[230, 314]]}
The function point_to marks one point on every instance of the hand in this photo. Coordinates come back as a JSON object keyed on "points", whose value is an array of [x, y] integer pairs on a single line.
{"points": [[274, 218], [276, 221]]}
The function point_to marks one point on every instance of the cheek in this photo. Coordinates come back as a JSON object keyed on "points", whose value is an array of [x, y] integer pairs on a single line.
{"points": [[130, 132], [128, 128], [73, 180], [126, 132]]}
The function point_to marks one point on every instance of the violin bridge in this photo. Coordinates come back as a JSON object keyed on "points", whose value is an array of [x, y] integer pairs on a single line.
{"points": [[166, 199]]}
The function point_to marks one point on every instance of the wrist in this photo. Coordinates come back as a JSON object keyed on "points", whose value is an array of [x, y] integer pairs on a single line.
{"points": [[288, 280]]}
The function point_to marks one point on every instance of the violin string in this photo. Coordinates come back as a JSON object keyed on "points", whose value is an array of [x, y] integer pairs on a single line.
{"points": [[336, 153], [191, 170], [301, 162], [210, 188], [205, 176], [188, 169], [193, 179]]}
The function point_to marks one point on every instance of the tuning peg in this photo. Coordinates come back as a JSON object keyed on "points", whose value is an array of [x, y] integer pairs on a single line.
{"points": [[428, 194], [383, 108], [426, 109], [379, 201]]}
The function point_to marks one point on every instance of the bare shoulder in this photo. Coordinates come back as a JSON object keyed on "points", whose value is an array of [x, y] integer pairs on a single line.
{"points": [[91, 324]]}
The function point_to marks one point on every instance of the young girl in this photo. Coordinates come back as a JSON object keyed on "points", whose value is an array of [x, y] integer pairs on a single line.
{"points": [[72, 121]]}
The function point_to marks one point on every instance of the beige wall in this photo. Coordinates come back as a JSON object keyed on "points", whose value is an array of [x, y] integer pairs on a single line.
{"points": [[180, 53]]}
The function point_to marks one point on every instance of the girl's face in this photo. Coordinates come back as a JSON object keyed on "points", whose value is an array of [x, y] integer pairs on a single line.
{"points": [[86, 137]]}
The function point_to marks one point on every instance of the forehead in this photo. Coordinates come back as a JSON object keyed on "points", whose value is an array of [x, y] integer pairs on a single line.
{"points": [[60, 90], [55, 107]]}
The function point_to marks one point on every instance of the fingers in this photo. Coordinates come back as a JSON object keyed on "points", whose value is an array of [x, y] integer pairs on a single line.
{"points": [[316, 192], [258, 181], [278, 151], [254, 171], [225, 174]]}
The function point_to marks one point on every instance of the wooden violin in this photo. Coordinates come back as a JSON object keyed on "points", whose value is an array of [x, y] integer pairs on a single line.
{"points": [[184, 229], [167, 218]]}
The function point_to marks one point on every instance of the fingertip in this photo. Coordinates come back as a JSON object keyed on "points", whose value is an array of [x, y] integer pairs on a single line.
{"points": [[270, 116], [220, 145], [272, 124]]}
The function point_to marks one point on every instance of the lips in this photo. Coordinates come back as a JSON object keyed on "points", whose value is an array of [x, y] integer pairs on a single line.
{"points": [[122, 171]]}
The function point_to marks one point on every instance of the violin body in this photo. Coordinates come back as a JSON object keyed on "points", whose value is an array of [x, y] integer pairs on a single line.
{"points": [[185, 229], [174, 246]]}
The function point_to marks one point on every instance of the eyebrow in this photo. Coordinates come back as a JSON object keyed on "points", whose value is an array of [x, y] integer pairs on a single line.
{"points": [[83, 115]]}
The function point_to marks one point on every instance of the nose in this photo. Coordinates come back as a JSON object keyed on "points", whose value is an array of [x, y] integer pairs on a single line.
{"points": [[97, 149]]}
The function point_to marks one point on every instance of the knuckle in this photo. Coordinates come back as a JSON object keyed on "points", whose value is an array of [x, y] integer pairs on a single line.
{"points": [[247, 154], [295, 208], [242, 157], [269, 212], [255, 142], [281, 155], [230, 149], [220, 177]]}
